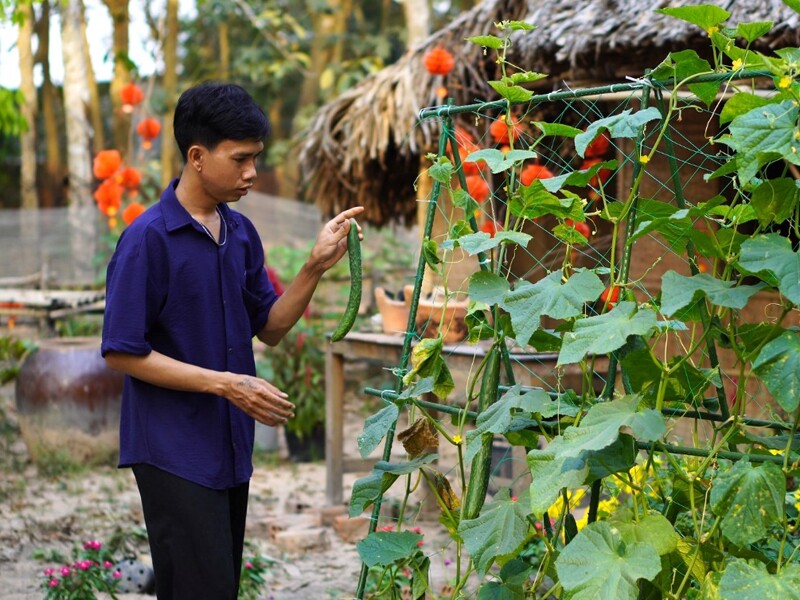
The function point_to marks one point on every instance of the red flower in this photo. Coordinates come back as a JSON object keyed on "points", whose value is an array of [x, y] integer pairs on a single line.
{"points": [[132, 212], [106, 163], [598, 147], [131, 95], [130, 178], [477, 188], [504, 133], [491, 227], [108, 196], [148, 129], [533, 172], [439, 61]]}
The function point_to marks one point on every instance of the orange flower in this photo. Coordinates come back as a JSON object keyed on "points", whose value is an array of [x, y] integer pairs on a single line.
{"points": [[130, 178], [132, 212], [477, 188], [439, 61], [148, 129], [533, 172], [108, 196], [106, 163], [131, 95], [503, 133], [491, 227], [598, 147]]}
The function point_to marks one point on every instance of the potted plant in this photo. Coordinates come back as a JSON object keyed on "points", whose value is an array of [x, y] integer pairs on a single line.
{"points": [[297, 366]]}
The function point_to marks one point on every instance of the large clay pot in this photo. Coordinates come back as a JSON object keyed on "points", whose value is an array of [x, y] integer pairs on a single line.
{"points": [[68, 402]]}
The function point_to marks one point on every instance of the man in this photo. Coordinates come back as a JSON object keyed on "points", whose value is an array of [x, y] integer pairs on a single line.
{"points": [[186, 292]]}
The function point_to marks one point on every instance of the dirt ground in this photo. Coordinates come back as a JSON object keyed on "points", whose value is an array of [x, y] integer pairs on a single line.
{"points": [[41, 513]]}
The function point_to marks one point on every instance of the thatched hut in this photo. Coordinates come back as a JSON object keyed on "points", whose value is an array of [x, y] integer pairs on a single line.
{"points": [[365, 146]]}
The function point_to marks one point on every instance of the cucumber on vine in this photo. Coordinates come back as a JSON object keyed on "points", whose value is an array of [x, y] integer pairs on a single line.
{"points": [[354, 300]]}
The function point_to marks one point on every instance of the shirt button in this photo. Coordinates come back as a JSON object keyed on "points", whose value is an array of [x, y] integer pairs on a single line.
{"points": [[230, 349]]}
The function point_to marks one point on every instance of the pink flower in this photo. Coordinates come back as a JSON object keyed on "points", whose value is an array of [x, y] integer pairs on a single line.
{"points": [[417, 530], [117, 575], [49, 571], [386, 528], [65, 571], [53, 583], [92, 545], [248, 565], [107, 565]]}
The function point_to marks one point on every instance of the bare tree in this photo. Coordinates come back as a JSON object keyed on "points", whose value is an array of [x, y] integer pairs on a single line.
{"points": [[98, 133], [28, 195], [121, 128], [170, 83], [418, 20], [82, 214]]}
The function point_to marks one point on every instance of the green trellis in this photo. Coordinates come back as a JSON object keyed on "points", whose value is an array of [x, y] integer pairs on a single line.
{"points": [[684, 155]]}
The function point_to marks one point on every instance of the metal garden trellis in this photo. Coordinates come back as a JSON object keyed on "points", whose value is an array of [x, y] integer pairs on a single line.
{"points": [[646, 90]]}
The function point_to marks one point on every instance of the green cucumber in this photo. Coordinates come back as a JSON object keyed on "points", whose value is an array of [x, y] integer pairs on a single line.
{"points": [[354, 300], [481, 468]]}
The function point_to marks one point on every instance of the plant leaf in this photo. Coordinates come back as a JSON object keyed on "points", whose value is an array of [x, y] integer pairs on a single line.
{"points": [[623, 125], [579, 178], [752, 31], [375, 428], [778, 366], [745, 581], [704, 16], [473, 243], [488, 287], [679, 291], [775, 200], [739, 104], [763, 135], [682, 65], [369, 488], [500, 529], [499, 161], [653, 529], [427, 361], [385, 547], [748, 499], [528, 302], [512, 93], [607, 332], [598, 564], [772, 254], [557, 129], [487, 41], [532, 201], [441, 170]]}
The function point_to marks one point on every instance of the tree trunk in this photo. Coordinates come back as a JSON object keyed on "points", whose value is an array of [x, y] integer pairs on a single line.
{"points": [[418, 21], [54, 165], [170, 84], [121, 127], [326, 28], [223, 33], [98, 135], [82, 214], [28, 194]]}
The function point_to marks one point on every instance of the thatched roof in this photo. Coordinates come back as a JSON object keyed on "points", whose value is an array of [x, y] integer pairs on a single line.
{"points": [[365, 146]]}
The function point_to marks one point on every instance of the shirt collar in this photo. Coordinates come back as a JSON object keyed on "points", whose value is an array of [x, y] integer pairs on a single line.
{"points": [[176, 216]]}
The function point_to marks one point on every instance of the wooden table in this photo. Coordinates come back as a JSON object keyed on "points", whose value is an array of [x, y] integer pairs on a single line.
{"points": [[534, 369]]}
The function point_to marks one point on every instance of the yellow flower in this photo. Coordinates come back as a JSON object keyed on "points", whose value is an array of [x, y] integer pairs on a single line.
{"points": [[712, 30], [737, 64], [574, 498], [457, 439], [784, 82], [644, 159]]}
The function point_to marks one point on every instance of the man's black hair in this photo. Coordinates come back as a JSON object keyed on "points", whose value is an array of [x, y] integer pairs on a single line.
{"points": [[212, 112]]}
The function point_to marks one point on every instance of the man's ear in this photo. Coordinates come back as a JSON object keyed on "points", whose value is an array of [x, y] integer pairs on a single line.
{"points": [[196, 157]]}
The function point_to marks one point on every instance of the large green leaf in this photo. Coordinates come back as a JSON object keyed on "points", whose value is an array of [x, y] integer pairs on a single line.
{"points": [[775, 200], [528, 302], [763, 135], [441, 170], [473, 243], [487, 287], [686, 384], [778, 366], [739, 104], [599, 564], [533, 201], [579, 178], [679, 291], [601, 425], [684, 64], [623, 125], [746, 581], [375, 428], [752, 31], [499, 161], [772, 254], [511, 92], [705, 16], [369, 488], [607, 332], [749, 499], [384, 548], [551, 472], [653, 529], [500, 529]]}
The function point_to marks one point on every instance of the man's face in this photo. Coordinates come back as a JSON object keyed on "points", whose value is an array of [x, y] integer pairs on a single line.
{"points": [[229, 170]]}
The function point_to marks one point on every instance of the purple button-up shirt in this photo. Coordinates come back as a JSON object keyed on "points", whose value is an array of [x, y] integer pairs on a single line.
{"points": [[172, 289]]}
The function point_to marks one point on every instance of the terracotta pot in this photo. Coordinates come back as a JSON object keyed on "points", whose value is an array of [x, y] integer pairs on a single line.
{"points": [[68, 402], [394, 313], [430, 321]]}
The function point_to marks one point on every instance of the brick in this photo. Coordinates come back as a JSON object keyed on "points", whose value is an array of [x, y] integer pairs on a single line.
{"points": [[329, 513], [297, 541], [351, 530]]}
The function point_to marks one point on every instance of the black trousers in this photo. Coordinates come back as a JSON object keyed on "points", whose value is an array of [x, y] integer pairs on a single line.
{"points": [[196, 535]]}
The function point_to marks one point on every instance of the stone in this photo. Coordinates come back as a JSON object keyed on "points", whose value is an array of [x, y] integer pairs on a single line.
{"points": [[351, 530], [299, 540]]}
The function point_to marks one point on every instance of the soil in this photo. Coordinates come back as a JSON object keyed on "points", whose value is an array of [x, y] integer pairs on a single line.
{"points": [[43, 510]]}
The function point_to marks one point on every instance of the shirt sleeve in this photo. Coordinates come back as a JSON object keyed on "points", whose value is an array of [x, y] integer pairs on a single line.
{"points": [[259, 288], [134, 292]]}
